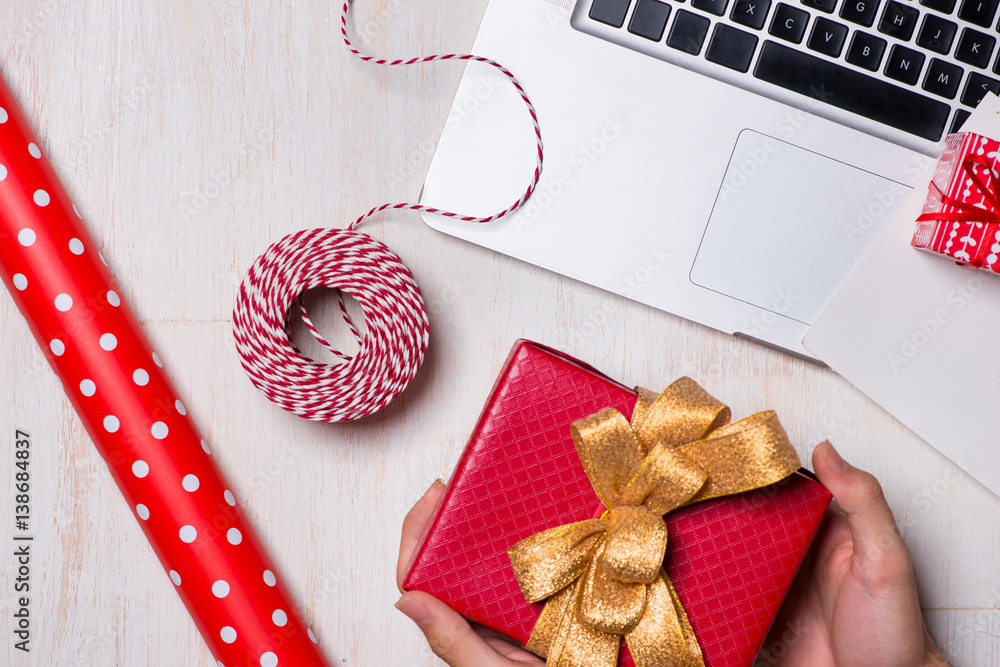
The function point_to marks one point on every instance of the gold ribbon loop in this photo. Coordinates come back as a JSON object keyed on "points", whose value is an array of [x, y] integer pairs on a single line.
{"points": [[749, 454], [690, 411], [635, 546], [609, 452], [665, 480], [609, 605], [604, 578], [555, 558]]}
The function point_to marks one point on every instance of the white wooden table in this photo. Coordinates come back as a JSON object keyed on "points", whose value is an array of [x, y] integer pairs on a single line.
{"points": [[146, 108]]}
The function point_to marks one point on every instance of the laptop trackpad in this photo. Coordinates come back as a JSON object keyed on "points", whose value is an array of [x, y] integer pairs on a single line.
{"points": [[789, 225]]}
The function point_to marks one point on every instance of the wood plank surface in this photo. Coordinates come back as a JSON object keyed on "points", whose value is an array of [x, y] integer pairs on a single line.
{"points": [[194, 134]]}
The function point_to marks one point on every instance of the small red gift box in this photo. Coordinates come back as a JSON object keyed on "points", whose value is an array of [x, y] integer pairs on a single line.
{"points": [[961, 215], [731, 560]]}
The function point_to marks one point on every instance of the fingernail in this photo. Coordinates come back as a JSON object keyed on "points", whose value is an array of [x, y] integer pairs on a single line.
{"points": [[834, 458], [438, 481], [413, 610]]}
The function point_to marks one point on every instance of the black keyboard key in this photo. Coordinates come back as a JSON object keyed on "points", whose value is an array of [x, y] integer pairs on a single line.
{"points": [[751, 13], [717, 7], [975, 47], [904, 64], [611, 12], [943, 78], [789, 23], [898, 20], [688, 32], [960, 117], [823, 5], [866, 51], [824, 80], [976, 88], [649, 19], [827, 37], [861, 12], [943, 6], [979, 12], [936, 34], [731, 47]]}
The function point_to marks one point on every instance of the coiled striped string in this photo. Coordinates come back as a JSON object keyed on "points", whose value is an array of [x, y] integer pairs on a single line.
{"points": [[396, 326]]}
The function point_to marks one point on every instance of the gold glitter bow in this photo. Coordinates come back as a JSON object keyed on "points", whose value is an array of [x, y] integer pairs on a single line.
{"points": [[604, 578]]}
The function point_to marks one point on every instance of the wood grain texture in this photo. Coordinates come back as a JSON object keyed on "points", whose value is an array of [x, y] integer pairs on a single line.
{"points": [[194, 134]]}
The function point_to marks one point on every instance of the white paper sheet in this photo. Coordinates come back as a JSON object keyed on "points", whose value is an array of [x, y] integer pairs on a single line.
{"points": [[921, 336]]}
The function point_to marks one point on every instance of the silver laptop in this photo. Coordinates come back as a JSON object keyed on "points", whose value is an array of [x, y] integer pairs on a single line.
{"points": [[728, 161]]}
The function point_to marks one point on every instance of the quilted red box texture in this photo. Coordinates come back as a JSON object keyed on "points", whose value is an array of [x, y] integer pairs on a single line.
{"points": [[975, 243], [731, 559]]}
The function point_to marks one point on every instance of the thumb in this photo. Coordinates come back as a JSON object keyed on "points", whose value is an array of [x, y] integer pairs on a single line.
{"points": [[874, 533], [450, 636]]}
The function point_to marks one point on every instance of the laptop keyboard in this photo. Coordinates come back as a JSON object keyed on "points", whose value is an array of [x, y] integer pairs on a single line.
{"points": [[916, 67]]}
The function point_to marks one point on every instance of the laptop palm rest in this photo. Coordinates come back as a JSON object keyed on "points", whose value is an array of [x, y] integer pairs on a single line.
{"points": [[788, 225]]}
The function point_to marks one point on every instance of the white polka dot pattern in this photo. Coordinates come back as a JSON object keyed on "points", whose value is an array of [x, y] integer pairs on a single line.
{"points": [[108, 342], [141, 428], [190, 483], [188, 534]]}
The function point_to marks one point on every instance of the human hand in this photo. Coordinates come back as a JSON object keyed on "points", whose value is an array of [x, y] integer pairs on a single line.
{"points": [[854, 601], [450, 636]]}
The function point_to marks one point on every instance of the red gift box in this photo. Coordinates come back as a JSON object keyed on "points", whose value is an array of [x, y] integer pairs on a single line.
{"points": [[731, 560], [961, 214]]}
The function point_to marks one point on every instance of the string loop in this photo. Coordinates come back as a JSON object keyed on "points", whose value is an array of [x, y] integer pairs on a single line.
{"points": [[396, 327]]}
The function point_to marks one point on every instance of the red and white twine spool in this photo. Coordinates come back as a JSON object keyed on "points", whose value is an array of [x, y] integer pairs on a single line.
{"points": [[396, 327]]}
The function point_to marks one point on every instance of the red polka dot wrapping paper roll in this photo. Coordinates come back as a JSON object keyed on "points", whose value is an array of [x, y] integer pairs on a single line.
{"points": [[128, 405]]}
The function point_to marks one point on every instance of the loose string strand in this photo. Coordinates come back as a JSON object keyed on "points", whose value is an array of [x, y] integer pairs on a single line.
{"points": [[539, 149], [353, 263]]}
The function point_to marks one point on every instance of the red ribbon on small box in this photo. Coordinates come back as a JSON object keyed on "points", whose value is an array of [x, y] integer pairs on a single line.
{"points": [[962, 219]]}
